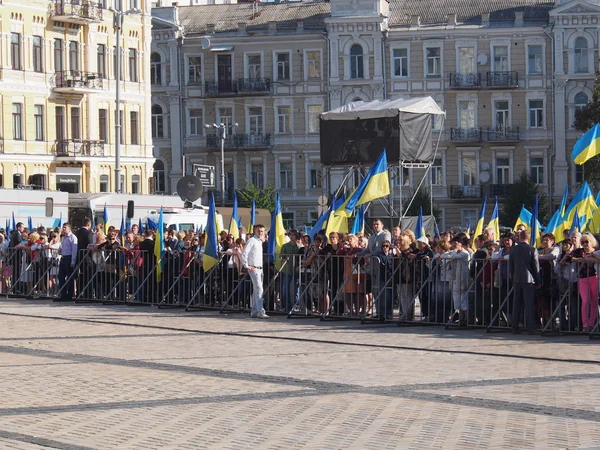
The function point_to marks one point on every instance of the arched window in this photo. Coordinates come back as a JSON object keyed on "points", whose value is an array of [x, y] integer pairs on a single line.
{"points": [[581, 99], [356, 62], [157, 122], [357, 99], [581, 55], [155, 69], [159, 176]]}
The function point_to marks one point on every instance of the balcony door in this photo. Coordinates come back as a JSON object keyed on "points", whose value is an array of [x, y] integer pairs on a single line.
{"points": [[224, 73]]}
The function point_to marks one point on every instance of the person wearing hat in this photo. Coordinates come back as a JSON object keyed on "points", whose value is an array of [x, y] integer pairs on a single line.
{"points": [[423, 258]]}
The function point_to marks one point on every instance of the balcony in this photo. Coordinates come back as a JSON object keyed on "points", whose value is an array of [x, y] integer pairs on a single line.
{"points": [[241, 86], [466, 134], [465, 80], [240, 141], [81, 12], [499, 190], [471, 192], [68, 148], [77, 82], [506, 134], [502, 80]]}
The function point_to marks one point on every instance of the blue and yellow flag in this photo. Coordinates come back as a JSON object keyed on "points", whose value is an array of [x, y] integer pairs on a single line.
{"points": [[584, 203], [468, 232], [30, 224], [525, 219], [14, 223], [159, 245], [479, 227], [555, 224], [587, 146], [495, 220], [576, 226], [234, 223], [535, 230], [140, 229], [276, 234], [252, 217], [359, 221], [211, 250], [337, 219], [420, 229], [375, 185], [105, 219], [122, 230]]}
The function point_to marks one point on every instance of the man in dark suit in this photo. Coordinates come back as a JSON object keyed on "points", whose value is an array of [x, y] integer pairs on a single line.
{"points": [[149, 288], [524, 271], [84, 239]]}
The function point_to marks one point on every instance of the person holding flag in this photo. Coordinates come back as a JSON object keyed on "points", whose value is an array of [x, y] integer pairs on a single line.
{"points": [[252, 260]]}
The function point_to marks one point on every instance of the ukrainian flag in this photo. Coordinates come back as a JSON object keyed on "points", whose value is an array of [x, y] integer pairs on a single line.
{"points": [[359, 221], [525, 219], [583, 202], [479, 227], [321, 223], [105, 219], [555, 225], [234, 223], [211, 251], [587, 146], [252, 217], [420, 231], [375, 185], [495, 220], [535, 230], [576, 226], [122, 230], [276, 234], [338, 219], [159, 245]]}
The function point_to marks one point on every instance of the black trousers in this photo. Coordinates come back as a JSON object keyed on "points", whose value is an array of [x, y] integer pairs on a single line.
{"points": [[524, 298], [65, 281]]}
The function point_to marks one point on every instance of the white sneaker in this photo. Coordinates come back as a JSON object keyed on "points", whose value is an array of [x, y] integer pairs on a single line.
{"points": [[262, 316]]}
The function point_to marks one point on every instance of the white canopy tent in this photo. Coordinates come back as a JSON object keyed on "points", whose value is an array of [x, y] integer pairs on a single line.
{"points": [[384, 108]]}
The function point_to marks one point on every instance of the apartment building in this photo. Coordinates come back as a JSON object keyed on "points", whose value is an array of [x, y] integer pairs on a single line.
{"points": [[510, 79], [57, 96]]}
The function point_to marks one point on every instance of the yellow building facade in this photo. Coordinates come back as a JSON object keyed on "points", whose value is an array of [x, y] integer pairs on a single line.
{"points": [[58, 96]]}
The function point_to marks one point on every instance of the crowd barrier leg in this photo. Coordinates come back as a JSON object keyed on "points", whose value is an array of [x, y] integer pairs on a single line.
{"points": [[501, 314], [177, 282], [239, 293], [305, 298], [348, 300], [271, 296], [68, 282], [205, 291]]}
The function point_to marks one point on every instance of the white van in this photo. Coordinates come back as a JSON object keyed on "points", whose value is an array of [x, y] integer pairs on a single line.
{"points": [[188, 219]]}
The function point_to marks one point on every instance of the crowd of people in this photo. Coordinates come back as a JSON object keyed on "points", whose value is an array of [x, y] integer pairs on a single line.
{"points": [[387, 275]]}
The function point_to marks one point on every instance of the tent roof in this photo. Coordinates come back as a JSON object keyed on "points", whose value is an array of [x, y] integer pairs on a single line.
{"points": [[383, 108]]}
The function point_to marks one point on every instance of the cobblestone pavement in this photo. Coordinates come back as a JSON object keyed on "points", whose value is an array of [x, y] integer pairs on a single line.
{"points": [[115, 377]]}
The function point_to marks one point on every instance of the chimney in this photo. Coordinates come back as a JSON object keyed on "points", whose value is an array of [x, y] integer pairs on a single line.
{"points": [[415, 21], [272, 27], [485, 19], [451, 19], [300, 27], [519, 19], [241, 27], [210, 28]]}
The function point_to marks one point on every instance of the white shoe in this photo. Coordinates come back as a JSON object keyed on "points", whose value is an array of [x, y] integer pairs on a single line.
{"points": [[262, 316]]}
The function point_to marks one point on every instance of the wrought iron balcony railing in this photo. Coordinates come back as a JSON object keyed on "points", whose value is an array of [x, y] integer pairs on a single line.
{"points": [[240, 141], [499, 190], [502, 79], [73, 147], [77, 11], [466, 134], [239, 86], [466, 192], [76, 79], [465, 80], [503, 134]]}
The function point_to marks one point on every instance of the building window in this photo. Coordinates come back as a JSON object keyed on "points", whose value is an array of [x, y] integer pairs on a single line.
{"points": [[102, 125], [502, 114], [579, 174], [38, 116], [155, 69], [503, 170], [288, 220], [466, 114], [400, 62], [58, 55], [285, 175], [399, 178], [101, 60], [284, 119], [195, 70], [501, 58], [536, 113], [535, 60], [257, 175], [470, 218], [73, 56], [316, 178], [254, 67], [133, 74], [226, 118], [18, 179], [159, 176], [437, 172], [134, 125], [17, 121], [313, 64], [75, 124], [157, 122], [255, 117], [581, 55], [438, 119], [37, 54], [15, 51], [356, 62], [469, 171], [59, 121], [103, 183], [314, 115], [135, 184], [196, 122], [283, 66], [434, 61], [122, 184], [580, 101], [466, 60], [536, 169]]}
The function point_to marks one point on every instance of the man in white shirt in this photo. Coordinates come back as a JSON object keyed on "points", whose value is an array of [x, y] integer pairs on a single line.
{"points": [[252, 260]]}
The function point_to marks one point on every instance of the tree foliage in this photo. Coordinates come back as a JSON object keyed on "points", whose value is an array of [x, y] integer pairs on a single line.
{"points": [[422, 198], [265, 198], [586, 118], [521, 193]]}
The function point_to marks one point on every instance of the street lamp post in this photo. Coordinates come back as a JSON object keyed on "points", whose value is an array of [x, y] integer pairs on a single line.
{"points": [[118, 17], [222, 136]]}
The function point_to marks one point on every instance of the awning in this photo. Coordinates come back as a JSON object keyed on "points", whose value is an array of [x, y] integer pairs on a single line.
{"points": [[222, 48], [68, 175], [383, 108]]}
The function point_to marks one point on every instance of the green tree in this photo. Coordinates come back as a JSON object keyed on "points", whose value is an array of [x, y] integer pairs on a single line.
{"points": [[521, 193], [422, 198], [265, 198], [586, 118]]}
